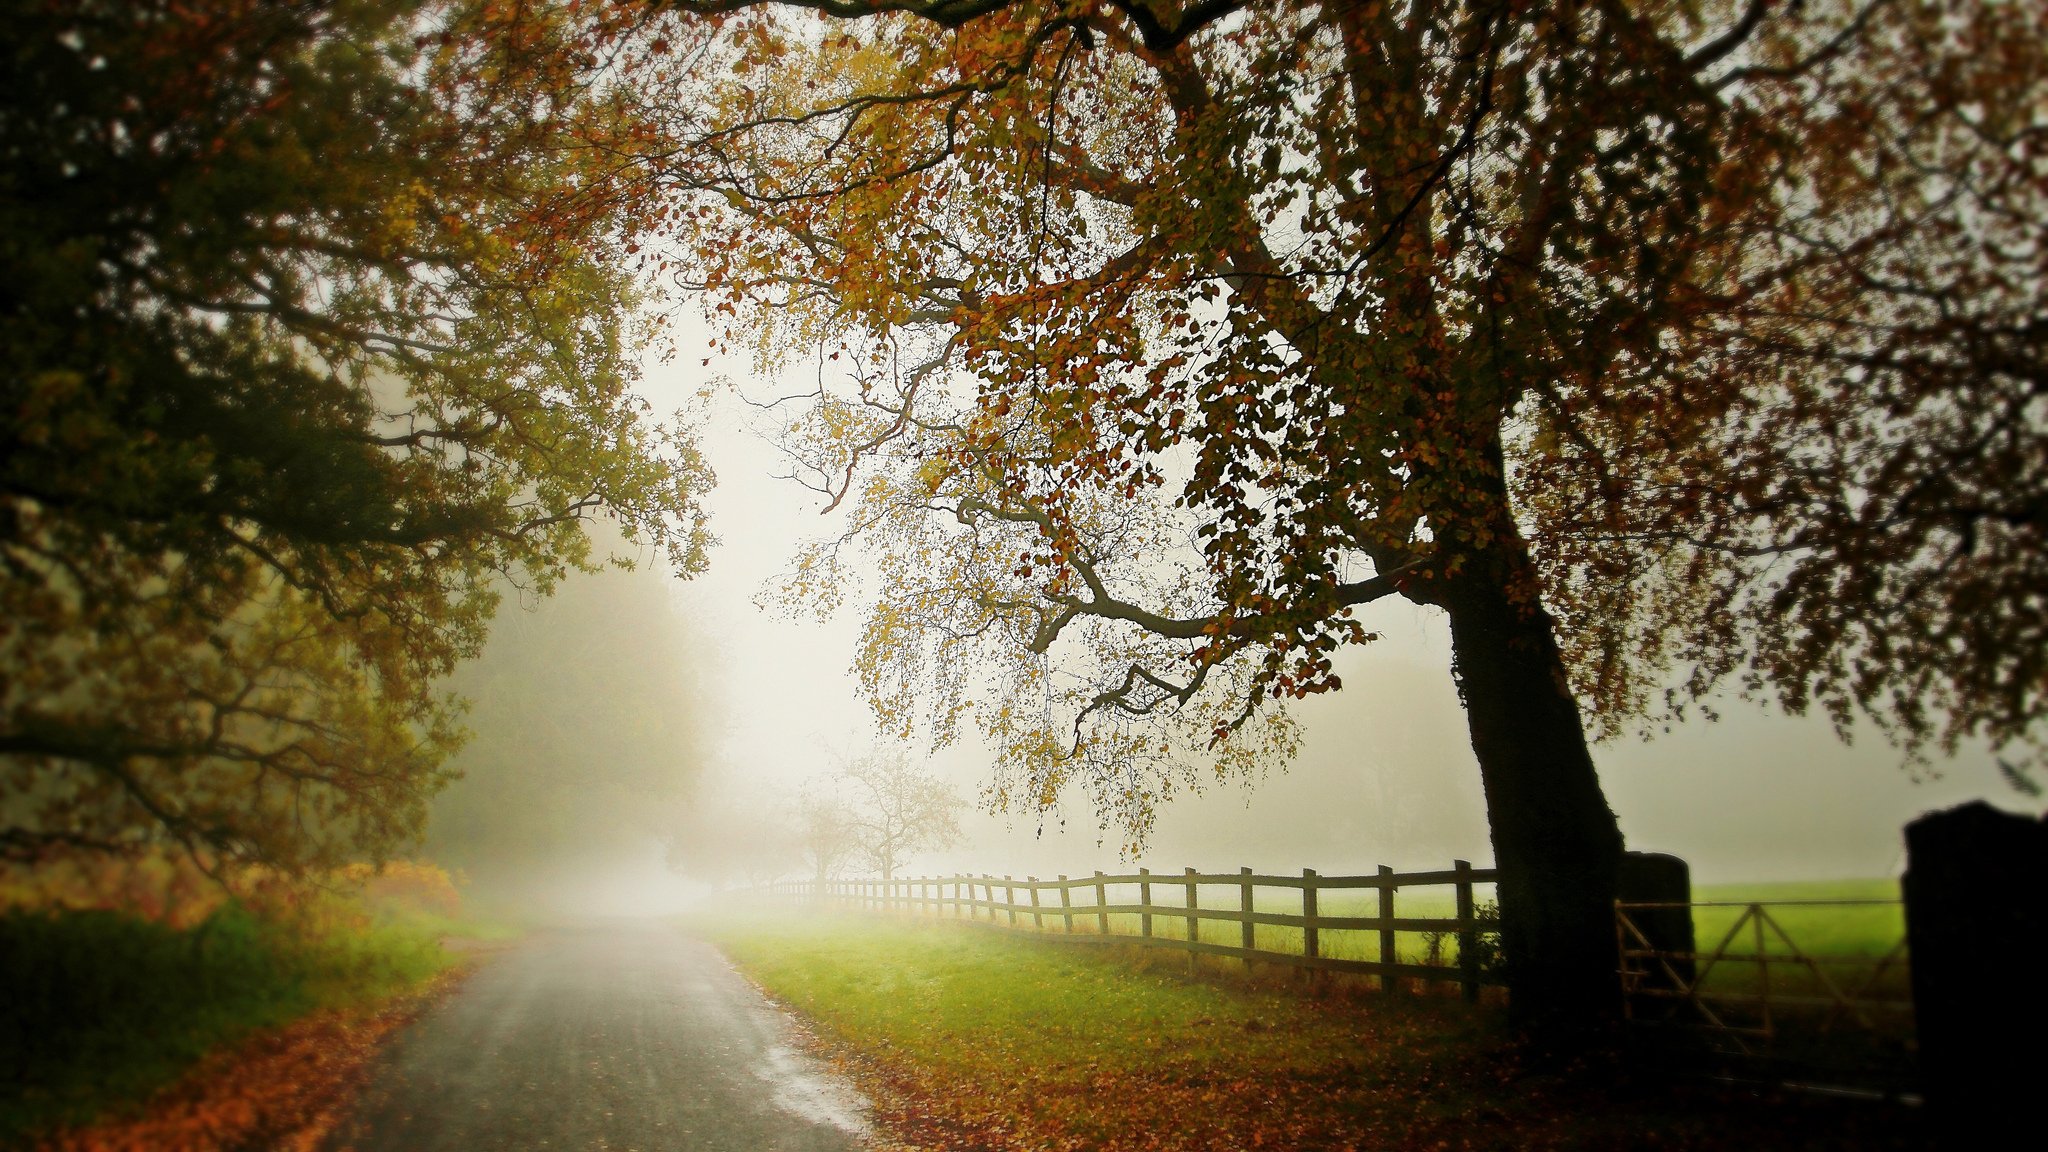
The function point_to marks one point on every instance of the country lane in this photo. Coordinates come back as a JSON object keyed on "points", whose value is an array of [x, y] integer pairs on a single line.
{"points": [[619, 1036]]}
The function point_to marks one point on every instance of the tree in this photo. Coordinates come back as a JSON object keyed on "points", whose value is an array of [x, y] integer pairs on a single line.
{"points": [[589, 726], [314, 329], [898, 810], [1657, 345], [825, 833]]}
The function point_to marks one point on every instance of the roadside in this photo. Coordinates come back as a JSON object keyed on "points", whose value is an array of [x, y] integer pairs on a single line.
{"points": [[282, 1089], [149, 1006], [966, 1038]]}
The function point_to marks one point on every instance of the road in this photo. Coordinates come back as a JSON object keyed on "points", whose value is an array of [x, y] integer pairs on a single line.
{"points": [[626, 1037]]}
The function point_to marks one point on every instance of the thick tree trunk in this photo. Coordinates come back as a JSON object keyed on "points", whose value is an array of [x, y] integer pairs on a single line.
{"points": [[1555, 841]]}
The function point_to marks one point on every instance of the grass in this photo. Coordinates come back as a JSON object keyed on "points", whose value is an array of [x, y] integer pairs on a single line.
{"points": [[973, 1038], [103, 1007], [107, 1004]]}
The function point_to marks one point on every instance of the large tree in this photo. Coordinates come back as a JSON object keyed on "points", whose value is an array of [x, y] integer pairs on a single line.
{"points": [[313, 329], [1655, 344]]}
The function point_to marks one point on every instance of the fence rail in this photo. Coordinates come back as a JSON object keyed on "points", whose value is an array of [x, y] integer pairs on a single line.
{"points": [[1100, 909]]}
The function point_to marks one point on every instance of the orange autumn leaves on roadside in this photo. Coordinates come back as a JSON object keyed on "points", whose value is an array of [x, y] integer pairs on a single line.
{"points": [[282, 1090]]}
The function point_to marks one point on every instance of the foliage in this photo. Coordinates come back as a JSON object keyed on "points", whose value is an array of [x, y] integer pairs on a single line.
{"points": [[825, 833], [315, 329], [1156, 345], [969, 1039], [1664, 347]]}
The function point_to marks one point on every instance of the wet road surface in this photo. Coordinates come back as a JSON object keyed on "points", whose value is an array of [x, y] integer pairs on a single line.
{"points": [[627, 1037]]}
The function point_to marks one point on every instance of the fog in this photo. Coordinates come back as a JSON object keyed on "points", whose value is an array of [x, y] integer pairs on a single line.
{"points": [[716, 714]]}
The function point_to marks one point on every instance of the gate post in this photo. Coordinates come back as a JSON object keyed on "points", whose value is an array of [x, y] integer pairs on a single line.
{"points": [[1660, 878], [1977, 917]]}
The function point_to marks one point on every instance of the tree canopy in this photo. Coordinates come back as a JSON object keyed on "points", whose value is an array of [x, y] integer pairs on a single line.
{"points": [[1662, 346], [316, 326]]}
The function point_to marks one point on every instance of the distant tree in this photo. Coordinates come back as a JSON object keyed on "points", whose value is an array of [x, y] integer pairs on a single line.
{"points": [[898, 810], [1657, 345], [313, 332], [826, 835], [589, 731]]}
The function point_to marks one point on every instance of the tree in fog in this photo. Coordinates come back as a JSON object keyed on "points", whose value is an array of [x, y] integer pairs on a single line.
{"points": [[826, 838], [898, 809], [1662, 347], [589, 726], [314, 329]]}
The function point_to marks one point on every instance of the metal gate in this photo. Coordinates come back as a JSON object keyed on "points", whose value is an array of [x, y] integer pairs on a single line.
{"points": [[1833, 1010]]}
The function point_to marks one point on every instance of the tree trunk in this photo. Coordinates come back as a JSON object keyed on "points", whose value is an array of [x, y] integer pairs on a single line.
{"points": [[1555, 841]]}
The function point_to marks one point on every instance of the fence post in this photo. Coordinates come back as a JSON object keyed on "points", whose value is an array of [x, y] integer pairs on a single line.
{"points": [[1067, 904], [1194, 924], [1145, 903], [1244, 902], [1468, 933], [1010, 897], [1101, 902], [1387, 953], [1311, 941], [1037, 917]]}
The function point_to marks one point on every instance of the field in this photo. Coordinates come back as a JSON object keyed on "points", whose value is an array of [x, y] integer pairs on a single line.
{"points": [[973, 1038]]}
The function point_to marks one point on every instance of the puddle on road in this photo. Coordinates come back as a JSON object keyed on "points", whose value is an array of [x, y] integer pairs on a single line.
{"points": [[804, 1089]]}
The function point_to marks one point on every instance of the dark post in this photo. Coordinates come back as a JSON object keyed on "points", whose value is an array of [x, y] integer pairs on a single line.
{"points": [[1144, 902], [1101, 902], [1387, 954], [1067, 904], [1468, 933], [1037, 917], [1244, 903], [1311, 945], [1976, 907], [1010, 897], [1666, 881], [1194, 924]]}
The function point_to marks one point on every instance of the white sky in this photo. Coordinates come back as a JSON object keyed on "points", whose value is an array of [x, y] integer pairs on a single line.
{"points": [[1385, 774]]}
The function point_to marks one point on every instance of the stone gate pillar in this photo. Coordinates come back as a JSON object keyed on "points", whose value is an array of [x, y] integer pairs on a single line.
{"points": [[1976, 889]]}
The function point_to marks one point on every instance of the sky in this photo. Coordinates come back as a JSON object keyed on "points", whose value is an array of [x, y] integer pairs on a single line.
{"points": [[1385, 774]]}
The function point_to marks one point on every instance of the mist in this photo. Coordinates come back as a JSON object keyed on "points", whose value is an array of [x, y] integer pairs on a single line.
{"points": [[590, 723]]}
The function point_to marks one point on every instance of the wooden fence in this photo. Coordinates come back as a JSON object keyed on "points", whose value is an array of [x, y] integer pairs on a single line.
{"points": [[1099, 909]]}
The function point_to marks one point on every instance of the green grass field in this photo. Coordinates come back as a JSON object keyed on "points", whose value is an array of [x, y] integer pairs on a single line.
{"points": [[985, 1039]]}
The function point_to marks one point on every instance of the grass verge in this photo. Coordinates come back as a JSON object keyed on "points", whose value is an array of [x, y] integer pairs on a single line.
{"points": [[125, 975], [970, 1039]]}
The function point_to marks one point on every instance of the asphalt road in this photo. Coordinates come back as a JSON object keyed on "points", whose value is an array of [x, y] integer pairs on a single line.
{"points": [[628, 1037]]}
